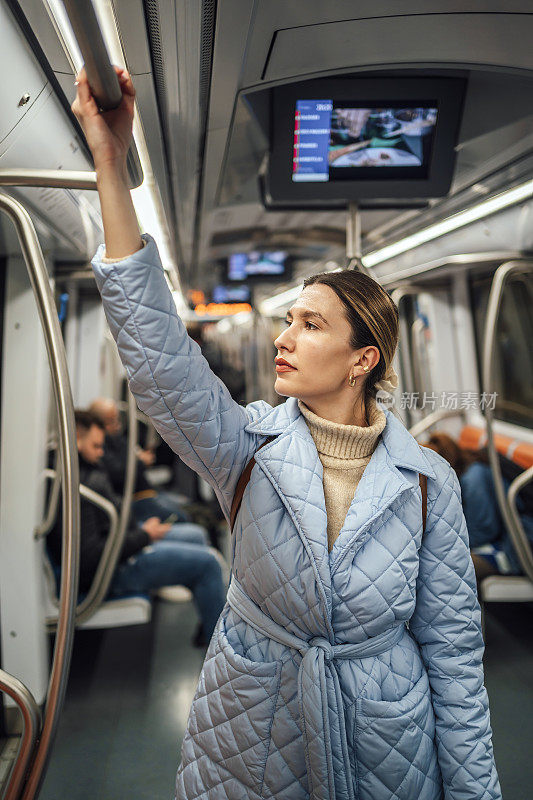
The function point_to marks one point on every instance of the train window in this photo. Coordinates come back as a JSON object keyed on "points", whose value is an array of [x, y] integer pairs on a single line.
{"points": [[513, 373]]}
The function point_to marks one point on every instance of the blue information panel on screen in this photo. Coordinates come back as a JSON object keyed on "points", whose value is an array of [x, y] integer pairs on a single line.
{"points": [[312, 125]]}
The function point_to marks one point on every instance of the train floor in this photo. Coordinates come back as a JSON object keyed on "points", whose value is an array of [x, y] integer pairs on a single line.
{"points": [[130, 690]]}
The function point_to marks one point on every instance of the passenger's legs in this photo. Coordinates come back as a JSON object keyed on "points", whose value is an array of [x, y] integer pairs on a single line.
{"points": [[170, 563], [187, 532], [159, 506]]}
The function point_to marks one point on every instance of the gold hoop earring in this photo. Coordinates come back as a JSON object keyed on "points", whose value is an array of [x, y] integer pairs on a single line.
{"points": [[351, 380]]}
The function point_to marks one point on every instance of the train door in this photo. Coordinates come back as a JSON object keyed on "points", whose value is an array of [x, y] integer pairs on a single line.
{"points": [[431, 381]]}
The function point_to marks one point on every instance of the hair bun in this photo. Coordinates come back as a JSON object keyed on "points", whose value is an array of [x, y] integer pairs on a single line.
{"points": [[389, 382]]}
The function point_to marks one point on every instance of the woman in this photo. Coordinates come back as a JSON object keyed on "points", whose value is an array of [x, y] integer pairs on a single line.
{"points": [[312, 686], [492, 549]]}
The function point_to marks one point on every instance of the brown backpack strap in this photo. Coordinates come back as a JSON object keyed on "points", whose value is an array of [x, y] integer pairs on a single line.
{"points": [[424, 489], [242, 484]]}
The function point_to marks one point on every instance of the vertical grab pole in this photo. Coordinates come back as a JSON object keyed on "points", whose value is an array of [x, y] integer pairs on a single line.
{"points": [[354, 251], [40, 283], [354, 240]]}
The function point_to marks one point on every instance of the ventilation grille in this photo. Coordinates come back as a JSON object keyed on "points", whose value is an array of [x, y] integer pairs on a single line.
{"points": [[207, 36], [153, 29]]}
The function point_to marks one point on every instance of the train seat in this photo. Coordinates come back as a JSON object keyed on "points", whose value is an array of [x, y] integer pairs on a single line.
{"points": [[473, 438], [502, 588], [115, 613]]}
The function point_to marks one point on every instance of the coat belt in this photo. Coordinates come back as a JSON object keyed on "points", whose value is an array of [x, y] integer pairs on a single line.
{"points": [[318, 717]]}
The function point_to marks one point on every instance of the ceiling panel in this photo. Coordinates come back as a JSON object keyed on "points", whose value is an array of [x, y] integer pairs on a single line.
{"points": [[499, 40]]}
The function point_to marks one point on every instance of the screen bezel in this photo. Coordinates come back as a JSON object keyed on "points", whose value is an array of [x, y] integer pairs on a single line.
{"points": [[446, 94]]}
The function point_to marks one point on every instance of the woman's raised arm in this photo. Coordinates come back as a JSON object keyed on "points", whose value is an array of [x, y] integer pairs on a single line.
{"points": [[171, 380], [109, 136]]}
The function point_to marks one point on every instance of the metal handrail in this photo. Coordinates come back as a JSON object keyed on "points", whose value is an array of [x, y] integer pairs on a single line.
{"points": [[53, 503], [521, 543], [49, 178], [110, 556], [432, 419], [101, 75], [31, 722], [501, 277], [108, 508], [119, 525], [459, 260], [397, 295], [152, 437], [55, 348], [416, 328]]}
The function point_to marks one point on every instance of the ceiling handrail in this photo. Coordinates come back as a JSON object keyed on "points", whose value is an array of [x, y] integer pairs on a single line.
{"points": [[101, 75], [507, 508], [57, 359], [49, 178]]}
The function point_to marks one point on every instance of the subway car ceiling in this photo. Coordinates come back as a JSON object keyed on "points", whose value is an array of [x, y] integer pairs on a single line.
{"points": [[205, 74]]}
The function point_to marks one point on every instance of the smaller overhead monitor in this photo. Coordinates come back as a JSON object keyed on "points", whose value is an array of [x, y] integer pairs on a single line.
{"points": [[258, 265], [344, 139], [231, 294]]}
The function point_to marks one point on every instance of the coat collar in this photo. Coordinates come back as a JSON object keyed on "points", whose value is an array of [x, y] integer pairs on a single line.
{"points": [[402, 448], [293, 467]]}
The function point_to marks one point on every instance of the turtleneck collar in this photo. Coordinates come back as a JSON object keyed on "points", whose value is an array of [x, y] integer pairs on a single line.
{"points": [[345, 441]]}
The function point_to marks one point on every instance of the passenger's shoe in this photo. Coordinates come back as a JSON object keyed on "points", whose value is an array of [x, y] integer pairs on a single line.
{"points": [[174, 594]]}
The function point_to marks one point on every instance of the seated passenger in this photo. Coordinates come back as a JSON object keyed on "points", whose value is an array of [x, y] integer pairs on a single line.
{"points": [[153, 555], [491, 547], [147, 502]]}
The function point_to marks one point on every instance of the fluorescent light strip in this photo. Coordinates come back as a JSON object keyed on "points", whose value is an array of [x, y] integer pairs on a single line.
{"points": [[146, 198], [280, 299], [481, 210], [484, 209]]}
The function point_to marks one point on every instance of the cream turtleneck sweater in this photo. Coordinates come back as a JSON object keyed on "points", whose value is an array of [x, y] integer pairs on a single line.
{"points": [[344, 451]]}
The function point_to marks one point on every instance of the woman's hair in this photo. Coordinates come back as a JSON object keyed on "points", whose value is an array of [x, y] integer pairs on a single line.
{"points": [[458, 457], [372, 315]]}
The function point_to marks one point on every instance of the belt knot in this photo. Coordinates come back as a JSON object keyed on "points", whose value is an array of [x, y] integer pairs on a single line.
{"points": [[324, 645]]}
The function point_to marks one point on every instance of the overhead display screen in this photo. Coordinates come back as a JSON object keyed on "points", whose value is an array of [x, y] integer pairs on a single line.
{"points": [[231, 294], [342, 139], [257, 264], [333, 141]]}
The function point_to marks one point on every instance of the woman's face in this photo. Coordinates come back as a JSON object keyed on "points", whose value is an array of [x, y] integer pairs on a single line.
{"points": [[316, 345]]}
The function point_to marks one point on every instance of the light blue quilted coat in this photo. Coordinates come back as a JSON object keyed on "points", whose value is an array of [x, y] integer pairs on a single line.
{"points": [[350, 675]]}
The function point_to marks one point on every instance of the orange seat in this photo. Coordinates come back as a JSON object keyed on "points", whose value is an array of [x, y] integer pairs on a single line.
{"points": [[472, 438]]}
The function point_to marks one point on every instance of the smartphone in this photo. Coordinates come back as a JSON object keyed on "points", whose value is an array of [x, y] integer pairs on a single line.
{"points": [[171, 520]]}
